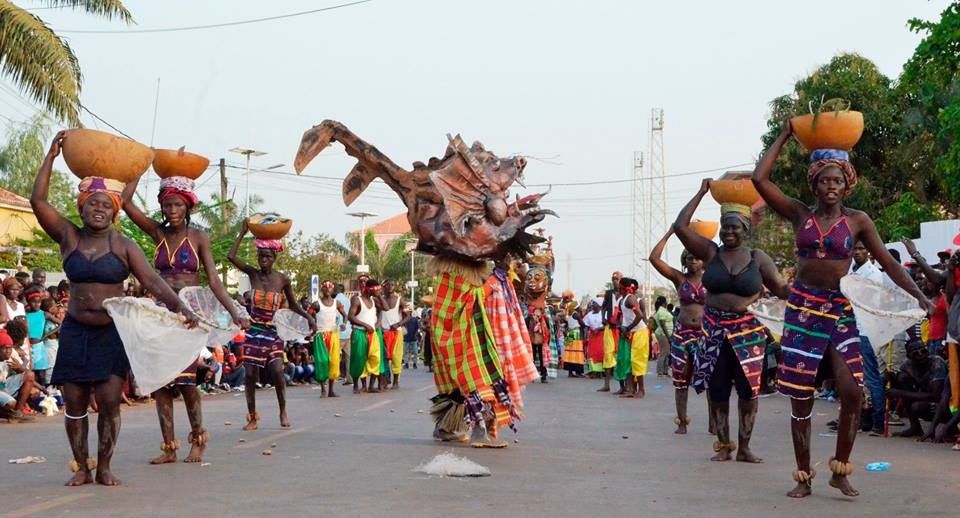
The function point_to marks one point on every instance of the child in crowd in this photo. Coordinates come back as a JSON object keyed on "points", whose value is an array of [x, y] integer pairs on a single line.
{"points": [[51, 326], [36, 322]]}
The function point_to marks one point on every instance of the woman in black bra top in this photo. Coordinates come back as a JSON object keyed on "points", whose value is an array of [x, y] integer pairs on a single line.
{"points": [[91, 357], [734, 341]]}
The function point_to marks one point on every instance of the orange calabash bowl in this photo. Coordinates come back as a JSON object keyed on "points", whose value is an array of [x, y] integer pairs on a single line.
{"points": [[97, 153], [274, 230], [740, 190], [707, 229], [173, 162], [834, 130]]}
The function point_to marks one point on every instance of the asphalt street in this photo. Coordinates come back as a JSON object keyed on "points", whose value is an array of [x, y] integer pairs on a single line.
{"points": [[578, 452]]}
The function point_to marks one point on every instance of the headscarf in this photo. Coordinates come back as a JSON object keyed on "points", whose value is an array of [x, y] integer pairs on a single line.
{"points": [[95, 184], [741, 212], [269, 244], [629, 285], [327, 284], [824, 158], [10, 281], [5, 340], [178, 186]]}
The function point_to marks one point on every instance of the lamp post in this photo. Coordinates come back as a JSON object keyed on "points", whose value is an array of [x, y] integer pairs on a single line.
{"points": [[362, 267], [247, 152], [413, 284]]}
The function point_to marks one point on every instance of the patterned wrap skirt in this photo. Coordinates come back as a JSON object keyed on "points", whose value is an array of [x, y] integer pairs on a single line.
{"points": [[262, 345], [683, 349], [573, 349], [814, 320], [746, 335], [511, 337]]}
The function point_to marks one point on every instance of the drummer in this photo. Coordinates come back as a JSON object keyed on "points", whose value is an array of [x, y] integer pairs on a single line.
{"points": [[91, 359], [263, 349], [181, 251], [819, 322]]}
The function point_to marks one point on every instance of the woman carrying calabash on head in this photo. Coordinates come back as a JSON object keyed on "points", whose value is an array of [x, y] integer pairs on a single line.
{"points": [[820, 332], [91, 357], [689, 329], [181, 251], [263, 348], [734, 340]]}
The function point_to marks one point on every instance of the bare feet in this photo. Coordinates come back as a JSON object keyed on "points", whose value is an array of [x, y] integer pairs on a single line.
{"points": [[284, 422], [681, 429], [196, 453], [104, 477], [165, 458], [252, 421], [803, 489], [603, 389], [745, 455], [843, 484], [332, 394], [627, 395], [640, 395], [356, 390], [80, 478], [722, 456]]}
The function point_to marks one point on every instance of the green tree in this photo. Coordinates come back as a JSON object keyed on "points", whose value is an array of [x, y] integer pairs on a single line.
{"points": [[391, 262], [929, 90], [20, 158], [315, 255], [776, 237], [42, 63]]}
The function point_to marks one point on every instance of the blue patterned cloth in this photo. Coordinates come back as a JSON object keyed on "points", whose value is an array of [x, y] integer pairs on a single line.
{"points": [[829, 154]]}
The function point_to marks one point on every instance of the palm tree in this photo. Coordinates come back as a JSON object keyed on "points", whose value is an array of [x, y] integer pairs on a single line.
{"points": [[40, 62]]}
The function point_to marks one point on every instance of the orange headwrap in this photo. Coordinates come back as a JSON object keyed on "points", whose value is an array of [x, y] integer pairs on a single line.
{"points": [[93, 184]]}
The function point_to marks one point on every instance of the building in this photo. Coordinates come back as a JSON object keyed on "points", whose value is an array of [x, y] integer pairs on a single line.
{"points": [[387, 230], [16, 218]]}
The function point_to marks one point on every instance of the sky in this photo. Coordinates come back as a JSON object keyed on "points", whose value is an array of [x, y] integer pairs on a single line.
{"points": [[571, 84]]}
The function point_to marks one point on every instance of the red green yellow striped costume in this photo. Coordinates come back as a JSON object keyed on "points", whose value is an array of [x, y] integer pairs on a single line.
{"points": [[465, 354]]}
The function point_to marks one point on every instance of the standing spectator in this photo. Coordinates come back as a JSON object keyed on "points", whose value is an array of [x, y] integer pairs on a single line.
{"points": [[36, 322], [39, 278], [24, 279], [664, 331], [411, 341], [345, 330], [874, 415], [50, 327], [11, 306], [425, 319]]}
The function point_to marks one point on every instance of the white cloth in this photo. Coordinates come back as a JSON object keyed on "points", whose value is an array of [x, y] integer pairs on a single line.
{"points": [[212, 314], [367, 315], [290, 326], [868, 271], [391, 316], [771, 312], [887, 282], [882, 312], [157, 343], [593, 320]]}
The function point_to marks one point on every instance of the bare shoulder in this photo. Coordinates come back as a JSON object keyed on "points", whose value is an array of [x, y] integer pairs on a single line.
{"points": [[198, 236]]}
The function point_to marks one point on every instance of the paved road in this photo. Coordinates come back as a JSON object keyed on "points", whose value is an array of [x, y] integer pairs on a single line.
{"points": [[578, 452]]}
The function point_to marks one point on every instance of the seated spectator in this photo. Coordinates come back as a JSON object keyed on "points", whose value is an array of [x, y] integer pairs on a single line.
{"points": [[233, 370], [16, 380], [920, 386]]}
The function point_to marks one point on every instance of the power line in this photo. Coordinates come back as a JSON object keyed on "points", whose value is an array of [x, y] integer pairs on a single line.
{"points": [[95, 116], [630, 180], [212, 25]]}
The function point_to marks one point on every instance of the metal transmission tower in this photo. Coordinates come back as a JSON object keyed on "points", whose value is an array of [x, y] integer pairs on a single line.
{"points": [[656, 200], [636, 208]]}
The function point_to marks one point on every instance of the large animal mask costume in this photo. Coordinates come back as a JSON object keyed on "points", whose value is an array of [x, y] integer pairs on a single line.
{"points": [[456, 205]]}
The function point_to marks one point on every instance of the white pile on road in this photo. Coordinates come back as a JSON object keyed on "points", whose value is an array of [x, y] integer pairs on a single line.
{"points": [[449, 465]]}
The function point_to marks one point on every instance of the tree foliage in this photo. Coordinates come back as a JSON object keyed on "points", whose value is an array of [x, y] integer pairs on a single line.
{"points": [[42, 63], [908, 159], [20, 158]]}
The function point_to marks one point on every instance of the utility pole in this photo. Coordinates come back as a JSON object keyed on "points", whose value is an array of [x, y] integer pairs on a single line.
{"points": [[223, 209], [656, 203]]}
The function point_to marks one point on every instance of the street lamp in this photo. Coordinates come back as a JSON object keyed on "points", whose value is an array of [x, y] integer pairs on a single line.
{"points": [[247, 152], [413, 279], [362, 267]]}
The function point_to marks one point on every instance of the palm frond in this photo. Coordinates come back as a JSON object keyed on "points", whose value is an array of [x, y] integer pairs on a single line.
{"points": [[108, 9], [38, 61]]}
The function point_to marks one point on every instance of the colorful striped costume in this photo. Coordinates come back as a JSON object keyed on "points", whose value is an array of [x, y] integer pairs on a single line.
{"points": [[365, 350], [573, 349], [633, 353], [744, 333], [326, 356], [465, 354], [262, 345], [815, 319], [683, 349], [510, 335], [393, 349]]}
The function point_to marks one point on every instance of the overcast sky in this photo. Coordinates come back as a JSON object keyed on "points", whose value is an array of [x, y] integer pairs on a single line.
{"points": [[570, 82]]}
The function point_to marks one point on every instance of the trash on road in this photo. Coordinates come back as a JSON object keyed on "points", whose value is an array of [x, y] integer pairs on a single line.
{"points": [[28, 460], [826, 434], [266, 452], [878, 466], [449, 465]]}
